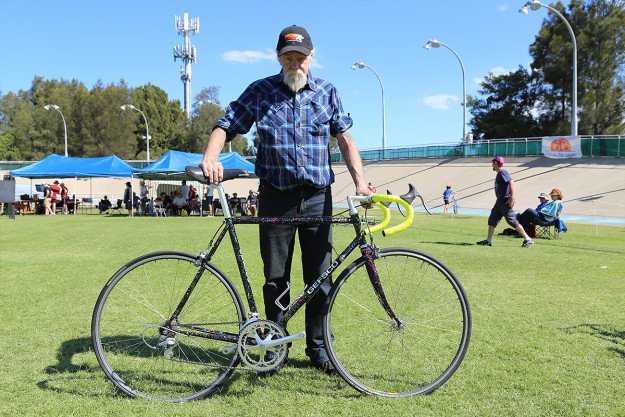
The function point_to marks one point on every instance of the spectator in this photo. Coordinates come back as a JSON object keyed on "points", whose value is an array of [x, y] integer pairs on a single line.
{"points": [[209, 201], [47, 199], [64, 197], [128, 198], [179, 204], [234, 204], [505, 192], [546, 213], [56, 190], [104, 204], [144, 198], [251, 203], [184, 189], [371, 187]]}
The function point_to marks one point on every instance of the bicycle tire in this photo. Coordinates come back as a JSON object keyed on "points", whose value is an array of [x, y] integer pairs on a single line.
{"points": [[455, 206], [130, 311], [376, 357]]}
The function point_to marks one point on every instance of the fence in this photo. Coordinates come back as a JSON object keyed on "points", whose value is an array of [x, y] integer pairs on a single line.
{"points": [[592, 146]]}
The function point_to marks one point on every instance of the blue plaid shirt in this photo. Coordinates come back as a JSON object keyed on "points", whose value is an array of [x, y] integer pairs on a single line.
{"points": [[294, 129]]}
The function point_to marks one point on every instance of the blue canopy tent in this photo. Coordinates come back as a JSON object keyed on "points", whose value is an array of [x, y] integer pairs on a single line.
{"points": [[57, 166], [171, 165]]}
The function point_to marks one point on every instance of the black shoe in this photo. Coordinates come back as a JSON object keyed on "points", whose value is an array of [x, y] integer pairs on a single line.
{"points": [[484, 242], [326, 367]]}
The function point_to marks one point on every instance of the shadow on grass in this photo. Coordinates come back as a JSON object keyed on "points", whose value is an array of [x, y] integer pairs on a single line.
{"points": [[69, 377], [450, 243], [606, 332]]}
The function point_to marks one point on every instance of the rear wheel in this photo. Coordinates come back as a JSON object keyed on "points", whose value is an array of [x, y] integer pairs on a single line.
{"points": [[376, 355], [145, 355]]}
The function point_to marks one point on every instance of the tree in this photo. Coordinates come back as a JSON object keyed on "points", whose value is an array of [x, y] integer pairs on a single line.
{"points": [[599, 26], [508, 111], [543, 107]]}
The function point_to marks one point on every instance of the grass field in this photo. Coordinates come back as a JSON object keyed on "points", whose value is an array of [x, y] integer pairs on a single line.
{"points": [[548, 322]]}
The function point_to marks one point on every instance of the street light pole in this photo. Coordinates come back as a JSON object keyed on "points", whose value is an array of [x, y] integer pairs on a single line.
{"points": [[436, 44], [147, 128], [224, 110], [55, 107], [363, 65], [535, 5]]}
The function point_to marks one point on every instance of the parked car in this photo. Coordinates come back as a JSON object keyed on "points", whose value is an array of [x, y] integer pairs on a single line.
{"points": [[28, 189]]}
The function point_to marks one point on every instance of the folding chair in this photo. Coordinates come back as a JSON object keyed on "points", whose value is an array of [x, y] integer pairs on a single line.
{"points": [[549, 229], [117, 208]]}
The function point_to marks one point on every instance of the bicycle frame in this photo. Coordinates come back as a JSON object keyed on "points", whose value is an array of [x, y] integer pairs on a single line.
{"points": [[367, 251]]}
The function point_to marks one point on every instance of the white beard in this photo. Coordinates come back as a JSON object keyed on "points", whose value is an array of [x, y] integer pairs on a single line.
{"points": [[295, 79]]}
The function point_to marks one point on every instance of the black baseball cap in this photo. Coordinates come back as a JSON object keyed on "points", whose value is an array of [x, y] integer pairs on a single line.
{"points": [[294, 38]]}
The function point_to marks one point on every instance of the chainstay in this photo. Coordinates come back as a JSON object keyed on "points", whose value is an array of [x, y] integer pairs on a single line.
{"points": [[235, 368]]}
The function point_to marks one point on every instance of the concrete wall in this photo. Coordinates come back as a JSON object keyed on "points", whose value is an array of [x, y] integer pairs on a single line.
{"points": [[580, 180]]}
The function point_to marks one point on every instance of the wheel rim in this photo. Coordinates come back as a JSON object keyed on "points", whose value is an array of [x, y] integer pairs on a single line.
{"points": [[146, 356], [378, 356]]}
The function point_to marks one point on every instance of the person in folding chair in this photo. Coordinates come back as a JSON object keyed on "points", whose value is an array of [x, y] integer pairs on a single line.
{"points": [[547, 216]]}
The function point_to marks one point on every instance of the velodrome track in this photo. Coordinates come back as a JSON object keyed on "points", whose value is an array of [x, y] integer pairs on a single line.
{"points": [[581, 181]]}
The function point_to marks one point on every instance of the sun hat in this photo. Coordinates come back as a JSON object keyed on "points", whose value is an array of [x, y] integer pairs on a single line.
{"points": [[294, 38], [544, 195]]}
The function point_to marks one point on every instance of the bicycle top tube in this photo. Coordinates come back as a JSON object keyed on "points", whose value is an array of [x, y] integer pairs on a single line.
{"points": [[228, 174]]}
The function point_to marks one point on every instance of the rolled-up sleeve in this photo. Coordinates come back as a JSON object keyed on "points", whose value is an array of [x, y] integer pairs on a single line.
{"points": [[239, 116], [340, 121]]}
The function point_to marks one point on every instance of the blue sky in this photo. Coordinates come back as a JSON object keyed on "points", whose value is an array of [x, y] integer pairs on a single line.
{"points": [[134, 39]]}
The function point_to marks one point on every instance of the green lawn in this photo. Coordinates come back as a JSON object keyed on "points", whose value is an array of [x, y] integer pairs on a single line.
{"points": [[548, 322]]}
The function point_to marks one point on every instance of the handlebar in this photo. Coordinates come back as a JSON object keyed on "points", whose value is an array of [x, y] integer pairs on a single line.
{"points": [[379, 201]]}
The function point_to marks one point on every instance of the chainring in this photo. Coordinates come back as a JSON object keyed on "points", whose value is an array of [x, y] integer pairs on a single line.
{"points": [[252, 351]]}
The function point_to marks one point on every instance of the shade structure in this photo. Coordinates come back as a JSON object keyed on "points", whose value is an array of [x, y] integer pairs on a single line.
{"points": [[171, 165], [57, 166]]}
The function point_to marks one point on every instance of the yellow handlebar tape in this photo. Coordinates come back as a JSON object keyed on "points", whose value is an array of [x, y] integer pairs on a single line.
{"points": [[377, 199]]}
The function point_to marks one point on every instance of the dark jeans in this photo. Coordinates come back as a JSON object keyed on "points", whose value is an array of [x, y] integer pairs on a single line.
{"points": [[529, 216], [276, 248]]}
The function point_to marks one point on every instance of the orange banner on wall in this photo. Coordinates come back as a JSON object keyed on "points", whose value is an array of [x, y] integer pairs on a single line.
{"points": [[561, 147]]}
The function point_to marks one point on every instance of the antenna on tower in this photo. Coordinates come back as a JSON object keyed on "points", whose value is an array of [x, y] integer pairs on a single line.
{"points": [[188, 55]]}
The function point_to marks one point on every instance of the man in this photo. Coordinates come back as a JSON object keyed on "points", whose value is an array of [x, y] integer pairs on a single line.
{"points": [[56, 190], [234, 204], [180, 204], [128, 198], [295, 114], [47, 199], [504, 190], [251, 203], [184, 189]]}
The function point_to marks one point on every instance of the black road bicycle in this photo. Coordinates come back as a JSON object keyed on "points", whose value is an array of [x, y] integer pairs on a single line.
{"points": [[172, 326]]}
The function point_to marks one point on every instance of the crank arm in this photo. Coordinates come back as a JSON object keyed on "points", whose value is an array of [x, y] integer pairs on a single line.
{"points": [[262, 345]]}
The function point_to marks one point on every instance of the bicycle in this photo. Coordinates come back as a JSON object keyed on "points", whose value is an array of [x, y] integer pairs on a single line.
{"points": [[408, 198], [455, 202], [172, 326]]}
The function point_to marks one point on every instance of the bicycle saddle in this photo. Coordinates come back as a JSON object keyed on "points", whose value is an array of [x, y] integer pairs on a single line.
{"points": [[229, 174]]}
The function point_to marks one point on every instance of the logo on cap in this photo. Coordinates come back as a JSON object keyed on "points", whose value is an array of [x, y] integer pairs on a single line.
{"points": [[293, 37]]}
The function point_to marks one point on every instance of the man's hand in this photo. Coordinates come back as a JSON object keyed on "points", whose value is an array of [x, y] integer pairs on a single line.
{"points": [[213, 170], [511, 202], [365, 192]]}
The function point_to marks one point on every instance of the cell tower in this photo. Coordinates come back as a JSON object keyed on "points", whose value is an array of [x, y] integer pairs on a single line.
{"points": [[188, 54]]}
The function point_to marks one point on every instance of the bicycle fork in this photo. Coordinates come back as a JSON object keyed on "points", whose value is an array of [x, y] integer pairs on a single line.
{"points": [[370, 253]]}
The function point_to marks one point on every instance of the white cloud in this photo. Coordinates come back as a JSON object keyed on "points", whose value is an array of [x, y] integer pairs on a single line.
{"points": [[477, 80], [503, 7], [441, 101], [249, 57], [500, 71]]}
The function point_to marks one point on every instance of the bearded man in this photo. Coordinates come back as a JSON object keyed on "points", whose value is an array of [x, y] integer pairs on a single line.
{"points": [[295, 114]]}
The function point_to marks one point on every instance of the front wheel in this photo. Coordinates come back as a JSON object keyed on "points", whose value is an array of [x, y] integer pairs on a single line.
{"points": [[378, 355], [145, 354]]}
